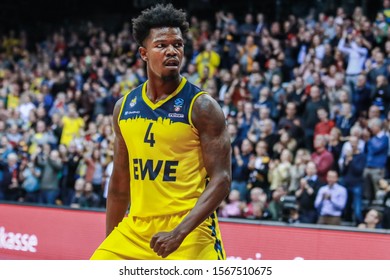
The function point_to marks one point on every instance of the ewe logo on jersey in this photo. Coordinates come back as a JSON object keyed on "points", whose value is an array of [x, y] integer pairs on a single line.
{"points": [[151, 169]]}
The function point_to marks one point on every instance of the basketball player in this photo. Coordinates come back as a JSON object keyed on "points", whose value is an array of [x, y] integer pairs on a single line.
{"points": [[171, 141]]}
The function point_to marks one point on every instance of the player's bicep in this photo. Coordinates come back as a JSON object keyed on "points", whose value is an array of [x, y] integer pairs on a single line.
{"points": [[209, 120]]}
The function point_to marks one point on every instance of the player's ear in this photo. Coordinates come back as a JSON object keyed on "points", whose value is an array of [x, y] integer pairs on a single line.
{"points": [[143, 53]]}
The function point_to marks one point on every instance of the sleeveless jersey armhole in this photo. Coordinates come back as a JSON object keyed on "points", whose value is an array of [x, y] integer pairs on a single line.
{"points": [[191, 107], [123, 105]]}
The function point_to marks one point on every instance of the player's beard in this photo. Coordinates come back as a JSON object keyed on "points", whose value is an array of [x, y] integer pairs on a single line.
{"points": [[171, 77]]}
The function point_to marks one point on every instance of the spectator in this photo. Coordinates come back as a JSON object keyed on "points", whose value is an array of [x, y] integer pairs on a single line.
{"points": [[269, 136], [5, 148], [361, 94], [228, 108], [324, 126], [299, 95], [248, 54], [94, 171], [70, 163], [9, 183], [89, 199], [319, 48], [257, 202], [297, 170], [60, 106], [256, 83], [377, 149], [337, 105], [55, 128], [240, 170], [246, 119], [378, 69], [71, 125], [275, 206], [234, 206], [247, 28], [30, 176], [357, 131], [207, 58], [258, 166], [257, 128], [285, 142], [50, 163], [266, 100], [354, 163], [239, 91], [291, 123], [278, 93], [330, 200], [261, 24], [41, 137], [386, 208], [381, 95], [310, 115], [374, 112], [233, 133], [226, 78], [191, 74], [273, 69], [77, 194], [351, 45], [322, 158], [106, 180], [306, 194], [25, 107], [372, 220], [13, 135], [334, 146], [345, 120], [279, 174]]}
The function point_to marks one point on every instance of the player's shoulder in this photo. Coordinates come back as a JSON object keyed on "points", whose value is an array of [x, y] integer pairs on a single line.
{"points": [[136, 90], [206, 111], [204, 103]]}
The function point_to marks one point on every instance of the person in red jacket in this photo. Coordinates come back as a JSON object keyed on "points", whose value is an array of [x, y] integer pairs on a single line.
{"points": [[325, 125], [322, 157]]}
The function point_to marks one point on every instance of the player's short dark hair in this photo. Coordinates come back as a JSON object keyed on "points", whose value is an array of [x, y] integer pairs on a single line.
{"points": [[159, 15]]}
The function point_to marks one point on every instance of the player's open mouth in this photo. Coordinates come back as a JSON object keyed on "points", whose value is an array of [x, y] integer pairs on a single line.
{"points": [[171, 63]]}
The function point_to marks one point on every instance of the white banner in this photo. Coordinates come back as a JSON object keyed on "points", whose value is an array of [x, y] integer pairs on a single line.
{"points": [[246, 270]]}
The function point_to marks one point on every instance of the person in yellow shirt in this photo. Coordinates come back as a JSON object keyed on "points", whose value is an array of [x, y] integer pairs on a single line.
{"points": [[13, 97], [71, 125], [129, 82], [207, 58]]}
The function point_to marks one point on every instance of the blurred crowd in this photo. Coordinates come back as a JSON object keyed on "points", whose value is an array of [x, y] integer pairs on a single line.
{"points": [[306, 102]]}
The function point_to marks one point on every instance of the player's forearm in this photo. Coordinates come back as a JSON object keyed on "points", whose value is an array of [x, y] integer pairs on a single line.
{"points": [[215, 192], [117, 204], [116, 210]]}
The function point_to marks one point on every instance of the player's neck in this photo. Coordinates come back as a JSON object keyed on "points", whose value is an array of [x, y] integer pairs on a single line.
{"points": [[158, 89]]}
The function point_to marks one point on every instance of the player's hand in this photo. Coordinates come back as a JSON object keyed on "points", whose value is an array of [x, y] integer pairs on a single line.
{"points": [[164, 243]]}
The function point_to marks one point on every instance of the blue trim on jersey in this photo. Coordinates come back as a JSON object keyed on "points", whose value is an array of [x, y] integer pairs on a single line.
{"points": [[176, 109]]}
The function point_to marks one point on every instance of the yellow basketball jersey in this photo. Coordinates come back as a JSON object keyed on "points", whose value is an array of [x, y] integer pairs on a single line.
{"points": [[167, 174]]}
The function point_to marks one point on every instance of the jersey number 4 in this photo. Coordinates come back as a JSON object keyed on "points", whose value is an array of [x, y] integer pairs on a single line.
{"points": [[149, 136]]}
